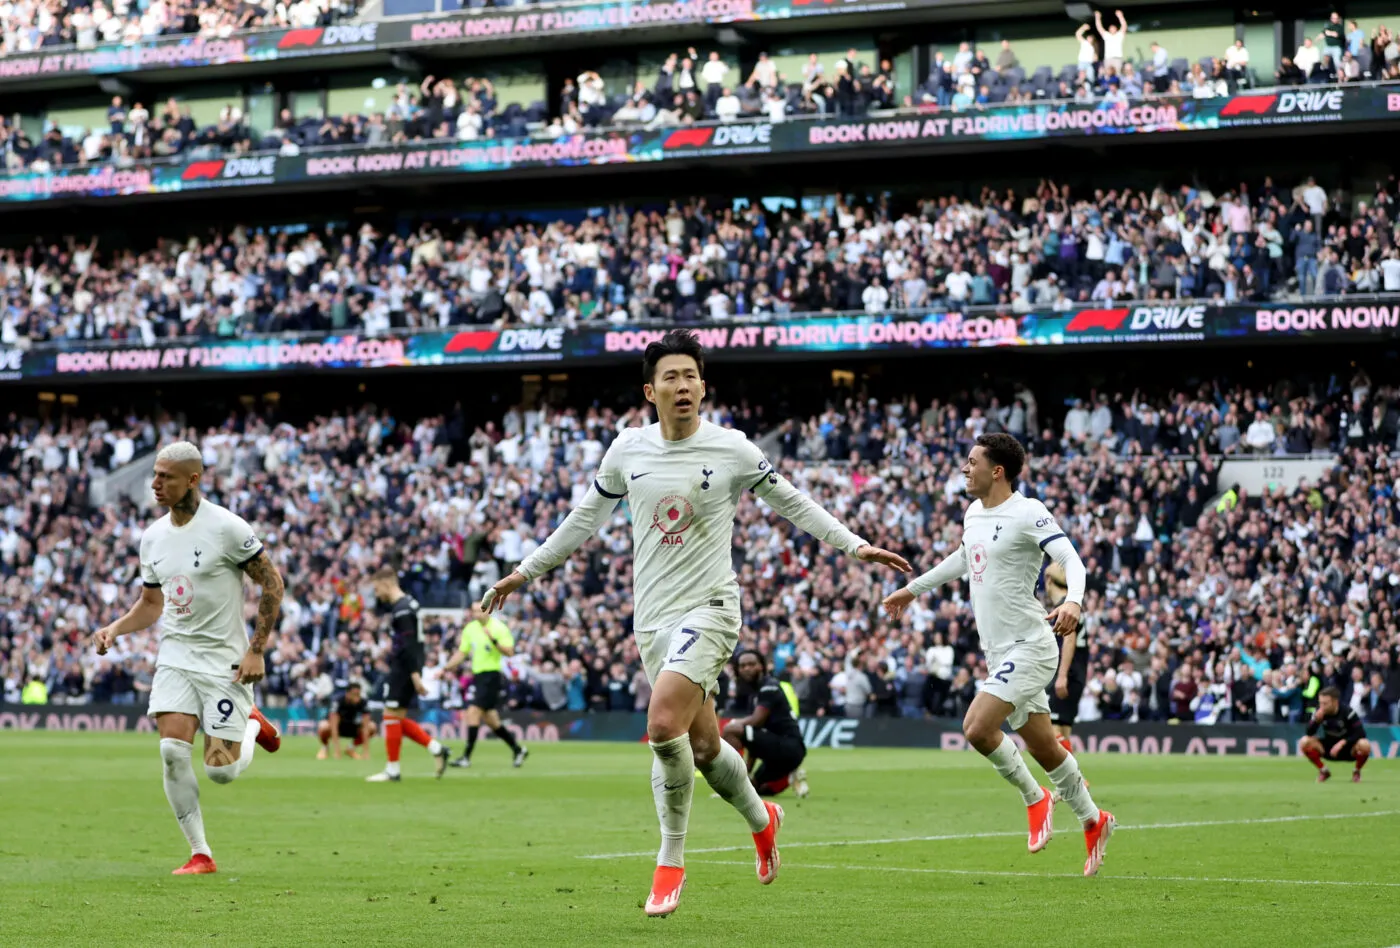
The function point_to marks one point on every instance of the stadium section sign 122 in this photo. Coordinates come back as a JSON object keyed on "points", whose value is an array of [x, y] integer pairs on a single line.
{"points": [[1164, 115], [804, 337]]}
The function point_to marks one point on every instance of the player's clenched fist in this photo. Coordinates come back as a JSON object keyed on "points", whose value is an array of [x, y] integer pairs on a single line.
{"points": [[105, 638], [896, 602], [251, 670], [1064, 618]]}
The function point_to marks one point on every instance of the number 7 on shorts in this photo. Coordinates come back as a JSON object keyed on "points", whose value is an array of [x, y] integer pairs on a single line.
{"points": [[685, 646]]}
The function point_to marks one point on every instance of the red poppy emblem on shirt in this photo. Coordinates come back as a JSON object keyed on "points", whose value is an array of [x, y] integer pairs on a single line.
{"points": [[977, 556], [180, 590], [673, 514]]}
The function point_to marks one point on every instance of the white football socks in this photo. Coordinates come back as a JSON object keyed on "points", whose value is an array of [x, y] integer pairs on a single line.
{"points": [[434, 747], [1008, 762], [672, 785], [1068, 780], [250, 744], [182, 790], [728, 777]]}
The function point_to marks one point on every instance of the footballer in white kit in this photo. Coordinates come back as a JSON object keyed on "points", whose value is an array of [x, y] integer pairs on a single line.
{"points": [[193, 561], [683, 479], [1007, 540]]}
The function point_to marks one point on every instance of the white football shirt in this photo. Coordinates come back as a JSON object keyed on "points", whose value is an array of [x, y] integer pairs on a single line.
{"points": [[196, 566], [1003, 550], [683, 496]]}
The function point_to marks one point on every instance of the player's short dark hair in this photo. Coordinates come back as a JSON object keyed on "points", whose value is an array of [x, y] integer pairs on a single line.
{"points": [[1333, 692], [1004, 451], [676, 342]]}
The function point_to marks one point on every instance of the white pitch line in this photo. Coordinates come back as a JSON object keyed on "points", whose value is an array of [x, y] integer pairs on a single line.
{"points": [[990, 835], [1061, 875]]}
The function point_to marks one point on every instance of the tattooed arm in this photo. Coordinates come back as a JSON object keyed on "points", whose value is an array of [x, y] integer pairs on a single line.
{"points": [[261, 571]]}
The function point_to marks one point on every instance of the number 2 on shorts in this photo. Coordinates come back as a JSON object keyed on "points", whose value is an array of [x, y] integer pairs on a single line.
{"points": [[1005, 669]]}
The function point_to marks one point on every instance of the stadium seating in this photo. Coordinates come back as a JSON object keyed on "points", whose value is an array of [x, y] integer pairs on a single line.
{"points": [[32, 26], [1052, 249], [1197, 609]]}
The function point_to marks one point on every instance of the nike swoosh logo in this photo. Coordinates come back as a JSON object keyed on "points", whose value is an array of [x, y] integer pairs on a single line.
{"points": [[644, 474], [679, 786]]}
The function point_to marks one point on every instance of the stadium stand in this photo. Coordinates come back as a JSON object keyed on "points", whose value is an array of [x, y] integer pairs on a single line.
{"points": [[1046, 249], [1199, 609], [31, 25]]}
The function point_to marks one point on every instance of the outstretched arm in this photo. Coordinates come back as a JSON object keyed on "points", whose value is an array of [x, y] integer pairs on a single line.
{"points": [[804, 512], [582, 522], [951, 568], [142, 615], [261, 571]]}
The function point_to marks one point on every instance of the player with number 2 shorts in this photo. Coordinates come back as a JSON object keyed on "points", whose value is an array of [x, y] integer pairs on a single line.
{"points": [[1006, 538]]}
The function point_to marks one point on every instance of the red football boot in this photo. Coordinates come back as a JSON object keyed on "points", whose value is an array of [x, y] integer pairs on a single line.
{"points": [[268, 738], [766, 861], [198, 865]]}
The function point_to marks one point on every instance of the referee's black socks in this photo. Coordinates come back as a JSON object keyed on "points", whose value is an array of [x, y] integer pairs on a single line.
{"points": [[508, 737], [471, 740]]}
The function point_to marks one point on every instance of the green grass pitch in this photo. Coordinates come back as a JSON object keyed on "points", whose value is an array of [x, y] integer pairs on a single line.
{"points": [[892, 848]]}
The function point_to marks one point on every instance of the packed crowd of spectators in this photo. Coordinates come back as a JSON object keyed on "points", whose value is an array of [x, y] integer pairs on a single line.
{"points": [[1342, 52], [1051, 249], [437, 108], [688, 88], [133, 132], [28, 25], [1198, 609]]}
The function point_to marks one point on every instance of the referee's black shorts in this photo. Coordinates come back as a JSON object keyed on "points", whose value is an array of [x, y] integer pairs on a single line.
{"points": [[485, 691]]}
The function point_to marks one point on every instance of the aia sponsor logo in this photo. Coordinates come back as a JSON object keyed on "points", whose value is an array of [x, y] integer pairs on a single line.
{"points": [[720, 137], [223, 169]]}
